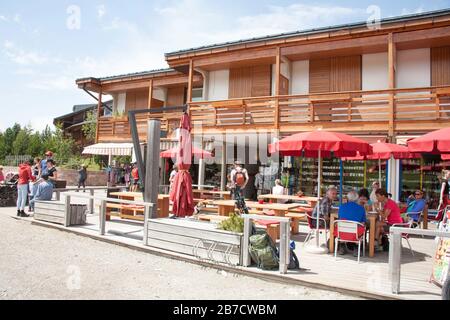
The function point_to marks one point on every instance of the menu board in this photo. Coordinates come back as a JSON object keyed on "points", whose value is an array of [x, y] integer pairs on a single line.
{"points": [[441, 262]]}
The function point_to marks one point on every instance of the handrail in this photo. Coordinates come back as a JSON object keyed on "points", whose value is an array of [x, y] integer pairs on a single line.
{"points": [[285, 234], [395, 251]]}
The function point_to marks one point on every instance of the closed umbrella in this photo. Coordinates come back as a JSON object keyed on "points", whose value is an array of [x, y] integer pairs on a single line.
{"points": [[319, 144], [181, 194]]}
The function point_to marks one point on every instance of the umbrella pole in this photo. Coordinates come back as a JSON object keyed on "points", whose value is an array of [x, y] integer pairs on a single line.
{"points": [[379, 172], [317, 249]]}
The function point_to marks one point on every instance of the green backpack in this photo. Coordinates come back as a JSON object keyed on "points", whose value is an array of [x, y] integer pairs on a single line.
{"points": [[263, 251]]}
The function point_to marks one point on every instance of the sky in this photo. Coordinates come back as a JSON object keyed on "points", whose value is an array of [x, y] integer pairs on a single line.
{"points": [[46, 45]]}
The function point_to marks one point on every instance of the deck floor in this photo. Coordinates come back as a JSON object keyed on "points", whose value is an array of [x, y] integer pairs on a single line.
{"points": [[370, 276]]}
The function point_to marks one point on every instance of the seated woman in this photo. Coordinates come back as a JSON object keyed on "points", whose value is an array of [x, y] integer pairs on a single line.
{"points": [[390, 215], [278, 189], [352, 211]]}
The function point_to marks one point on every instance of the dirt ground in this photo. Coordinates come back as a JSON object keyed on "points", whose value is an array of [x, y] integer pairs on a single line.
{"points": [[42, 263]]}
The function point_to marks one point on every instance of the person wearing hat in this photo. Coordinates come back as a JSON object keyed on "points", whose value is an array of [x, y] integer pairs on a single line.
{"points": [[82, 177], [239, 177], [48, 156]]}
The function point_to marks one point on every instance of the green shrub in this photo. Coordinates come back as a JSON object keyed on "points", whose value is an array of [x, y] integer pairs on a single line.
{"points": [[234, 223]]}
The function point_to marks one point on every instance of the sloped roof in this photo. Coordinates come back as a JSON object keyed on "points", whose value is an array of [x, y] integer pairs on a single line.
{"points": [[409, 17]]}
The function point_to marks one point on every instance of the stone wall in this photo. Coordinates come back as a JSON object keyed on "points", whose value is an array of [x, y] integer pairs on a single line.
{"points": [[95, 178]]}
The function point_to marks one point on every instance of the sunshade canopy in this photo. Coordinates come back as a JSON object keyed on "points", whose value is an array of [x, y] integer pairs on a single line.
{"points": [[434, 142], [110, 149]]}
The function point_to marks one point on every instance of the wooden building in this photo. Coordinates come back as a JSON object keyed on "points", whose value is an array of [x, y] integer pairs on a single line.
{"points": [[388, 81]]}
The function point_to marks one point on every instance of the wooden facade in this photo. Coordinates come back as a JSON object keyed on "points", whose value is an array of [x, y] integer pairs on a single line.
{"points": [[259, 92]]}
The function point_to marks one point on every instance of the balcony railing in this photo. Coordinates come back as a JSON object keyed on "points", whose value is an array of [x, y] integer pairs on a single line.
{"points": [[396, 105], [405, 109]]}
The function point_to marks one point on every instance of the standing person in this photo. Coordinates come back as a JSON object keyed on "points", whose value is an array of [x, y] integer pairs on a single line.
{"points": [[390, 214], [52, 173], [44, 192], [25, 176], [444, 194], [2, 176], [36, 170], [127, 175], [172, 176], [239, 178], [82, 177], [373, 197], [135, 176], [48, 156]]}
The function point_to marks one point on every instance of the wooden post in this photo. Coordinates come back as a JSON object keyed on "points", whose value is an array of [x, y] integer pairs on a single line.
{"points": [[102, 218], [150, 94], [99, 112], [91, 201], [190, 81], [277, 88], [392, 56], [67, 211], [151, 189]]}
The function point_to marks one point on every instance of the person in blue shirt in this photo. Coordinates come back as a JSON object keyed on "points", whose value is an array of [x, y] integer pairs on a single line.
{"points": [[351, 211], [416, 204], [48, 156], [44, 191]]}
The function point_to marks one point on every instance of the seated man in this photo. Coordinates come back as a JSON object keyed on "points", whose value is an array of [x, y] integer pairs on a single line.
{"points": [[416, 204], [351, 211], [44, 191], [323, 208], [390, 215], [278, 189]]}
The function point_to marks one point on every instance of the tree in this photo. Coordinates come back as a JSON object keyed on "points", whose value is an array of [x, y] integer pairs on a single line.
{"points": [[20, 144], [89, 128]]}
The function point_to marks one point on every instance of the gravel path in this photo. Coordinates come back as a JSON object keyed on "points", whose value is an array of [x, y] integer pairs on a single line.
{"points": [[42, 263]]}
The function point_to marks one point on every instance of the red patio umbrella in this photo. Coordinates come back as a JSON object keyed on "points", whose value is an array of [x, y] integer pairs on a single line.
{"points": [[434, 142], [196, 152], [181, 194], [318, 144], [384, 151], [445, 156]]}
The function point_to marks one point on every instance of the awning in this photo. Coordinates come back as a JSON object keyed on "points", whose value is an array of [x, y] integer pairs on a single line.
{"points": [[110, 149]]}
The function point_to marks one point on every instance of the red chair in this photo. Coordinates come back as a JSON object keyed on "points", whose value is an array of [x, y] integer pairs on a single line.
{"points": [[312, 227], [349, 231]]}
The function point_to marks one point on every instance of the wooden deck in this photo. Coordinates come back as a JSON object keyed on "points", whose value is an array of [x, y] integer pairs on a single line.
{"points": [[367, 279]]}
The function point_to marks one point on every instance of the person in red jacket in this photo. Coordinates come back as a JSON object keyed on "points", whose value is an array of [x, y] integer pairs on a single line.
{"points": [[25, 176]]}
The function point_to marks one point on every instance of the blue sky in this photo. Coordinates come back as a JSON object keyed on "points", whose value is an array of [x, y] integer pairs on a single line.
{"points": [[44, 47]]}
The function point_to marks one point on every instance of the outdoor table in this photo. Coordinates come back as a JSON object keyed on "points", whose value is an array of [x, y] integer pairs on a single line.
{"points": [[311, 201], [280, 209], [163, 201], [371, 217], [223, 194]]}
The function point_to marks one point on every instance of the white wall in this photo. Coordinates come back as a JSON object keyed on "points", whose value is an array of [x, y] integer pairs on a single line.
{"points": [[413, 68], [299, 81], [375, 74], [218, 85], [285, 71]]}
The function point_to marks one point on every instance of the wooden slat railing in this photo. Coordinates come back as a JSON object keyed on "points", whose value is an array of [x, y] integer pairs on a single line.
{"points": [[353, 107]]}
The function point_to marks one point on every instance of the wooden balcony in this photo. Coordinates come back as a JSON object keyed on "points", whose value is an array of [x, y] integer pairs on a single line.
{"points": [[405, 111], [386, 111]]}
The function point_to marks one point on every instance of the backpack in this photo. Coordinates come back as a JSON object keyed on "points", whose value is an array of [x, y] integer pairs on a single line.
{"points": [[294, 263], [239, 178], [263, 251]]}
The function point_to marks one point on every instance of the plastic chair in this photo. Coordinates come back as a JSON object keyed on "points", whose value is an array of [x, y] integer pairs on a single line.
{"points": [[350, 231], [406, 235], [415, 215], [313, 228]]}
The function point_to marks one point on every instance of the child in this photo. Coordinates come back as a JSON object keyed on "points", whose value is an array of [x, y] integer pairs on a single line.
{"points": [[135, 176], [82, 177]]}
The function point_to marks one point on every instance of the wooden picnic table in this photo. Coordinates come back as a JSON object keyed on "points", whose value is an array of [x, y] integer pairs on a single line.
{"points": [[371, 217], [280, 209], [163, 201], [223, 194], [311, 201]]}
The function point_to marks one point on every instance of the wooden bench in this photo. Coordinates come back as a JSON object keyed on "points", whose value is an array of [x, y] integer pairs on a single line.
{"points": [[137, 213]]}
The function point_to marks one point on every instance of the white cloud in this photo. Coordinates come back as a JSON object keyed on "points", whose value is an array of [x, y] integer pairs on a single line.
{"points": [[40, 123], [3, 18], [52, 82], [22, 57], [101, 11]]}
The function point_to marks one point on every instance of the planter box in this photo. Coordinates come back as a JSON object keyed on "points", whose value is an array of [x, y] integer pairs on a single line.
{"points": [[54, 211], [196, 238]]}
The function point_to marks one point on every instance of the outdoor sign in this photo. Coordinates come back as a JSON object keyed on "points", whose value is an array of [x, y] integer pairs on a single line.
{"points": [[441, 261]]}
